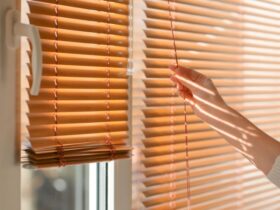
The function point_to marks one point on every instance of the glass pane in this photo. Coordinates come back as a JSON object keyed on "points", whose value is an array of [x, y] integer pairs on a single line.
{"points": [[54, 189]]}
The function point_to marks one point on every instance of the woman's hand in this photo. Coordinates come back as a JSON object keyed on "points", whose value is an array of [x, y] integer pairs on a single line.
{"points": [[199, 91], [207, 103]]}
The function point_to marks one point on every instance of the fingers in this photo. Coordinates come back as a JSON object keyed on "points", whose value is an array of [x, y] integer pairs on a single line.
{"points": [[188, 74], [183, 91], [193, 80]]}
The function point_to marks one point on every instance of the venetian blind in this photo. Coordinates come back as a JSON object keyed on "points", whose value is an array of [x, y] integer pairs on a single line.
{"points": [[80, 115], [237, 44]]}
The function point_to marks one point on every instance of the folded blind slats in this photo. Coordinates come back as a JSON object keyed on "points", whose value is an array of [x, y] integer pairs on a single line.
{"points": [[236, 43], [80, 114]]}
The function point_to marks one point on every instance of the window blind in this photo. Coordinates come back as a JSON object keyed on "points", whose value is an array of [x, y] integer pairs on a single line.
{"points": [[80, 115], [236, 43]]}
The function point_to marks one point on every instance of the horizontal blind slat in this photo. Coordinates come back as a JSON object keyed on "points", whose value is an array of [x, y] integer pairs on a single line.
{"points": [[116, 5], [79, 13], [77, 25], [82, 36], [76, 106], [214, 9]]}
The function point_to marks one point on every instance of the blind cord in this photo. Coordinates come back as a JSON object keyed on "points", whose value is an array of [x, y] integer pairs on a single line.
{"points": [[185, 105]]}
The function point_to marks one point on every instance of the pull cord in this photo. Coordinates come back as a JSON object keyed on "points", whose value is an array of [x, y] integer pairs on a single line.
{"points": [[171, 17]]}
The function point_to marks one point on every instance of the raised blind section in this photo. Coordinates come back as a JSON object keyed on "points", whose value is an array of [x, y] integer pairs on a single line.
{"points": [[80, 115]]}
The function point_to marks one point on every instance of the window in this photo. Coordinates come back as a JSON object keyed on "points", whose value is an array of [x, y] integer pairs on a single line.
{"points": [[67, 188], [122, 48]]}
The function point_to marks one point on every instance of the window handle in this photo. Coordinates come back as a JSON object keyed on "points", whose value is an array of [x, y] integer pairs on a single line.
{"points": [[14, 30]]}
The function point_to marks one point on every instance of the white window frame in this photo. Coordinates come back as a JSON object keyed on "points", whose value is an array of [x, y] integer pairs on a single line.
{"points": [[9, 141], [113, 187]]}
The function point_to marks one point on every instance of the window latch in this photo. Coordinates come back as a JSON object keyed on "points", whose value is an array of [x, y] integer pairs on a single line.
{"points": [[14, 29]]}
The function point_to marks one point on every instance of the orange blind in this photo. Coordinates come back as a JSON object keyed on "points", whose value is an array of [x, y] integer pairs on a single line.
{"points": [[237, 44], [80, 114]]}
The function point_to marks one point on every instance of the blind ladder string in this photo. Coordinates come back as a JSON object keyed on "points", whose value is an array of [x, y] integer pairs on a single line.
{"points": [[172, 184], [172, 175], [60, 147], [108, 84], [171, 17]]}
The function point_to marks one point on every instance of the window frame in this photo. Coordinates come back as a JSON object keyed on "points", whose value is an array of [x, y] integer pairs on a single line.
{"points": [[9, 142]]}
